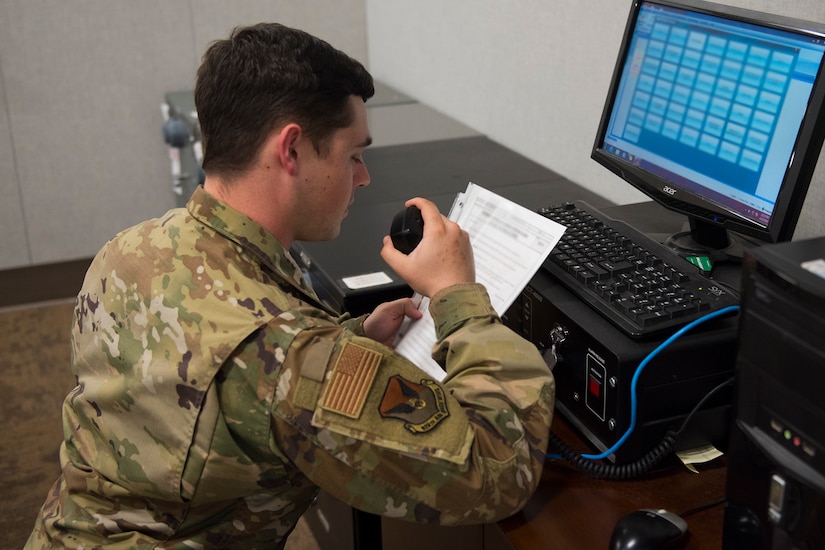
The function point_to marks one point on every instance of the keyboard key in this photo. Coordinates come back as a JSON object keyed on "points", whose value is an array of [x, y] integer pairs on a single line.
{"points": [[616, 268]]}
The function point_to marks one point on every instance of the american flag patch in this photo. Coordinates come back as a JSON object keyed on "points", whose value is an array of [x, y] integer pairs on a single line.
{"points": [[351, 379]]}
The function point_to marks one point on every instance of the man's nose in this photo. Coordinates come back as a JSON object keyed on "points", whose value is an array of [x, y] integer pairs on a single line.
{"points": [[362, 178]]}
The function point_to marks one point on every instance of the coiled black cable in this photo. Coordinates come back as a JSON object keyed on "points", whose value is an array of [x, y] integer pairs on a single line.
{"points": [[624, 472], [616, 472]]}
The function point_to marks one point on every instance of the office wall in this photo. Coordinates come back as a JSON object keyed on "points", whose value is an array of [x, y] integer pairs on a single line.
{"points": [[531, 75], [81, 83]]}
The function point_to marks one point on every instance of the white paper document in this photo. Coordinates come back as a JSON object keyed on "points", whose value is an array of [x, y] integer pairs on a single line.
{"points": [[509, 243]]}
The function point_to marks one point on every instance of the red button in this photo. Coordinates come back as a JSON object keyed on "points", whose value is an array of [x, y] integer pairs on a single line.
{"points": [[595, 387]]}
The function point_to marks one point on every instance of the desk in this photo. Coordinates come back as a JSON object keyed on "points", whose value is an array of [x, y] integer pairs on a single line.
{"points": [[572, 511]]}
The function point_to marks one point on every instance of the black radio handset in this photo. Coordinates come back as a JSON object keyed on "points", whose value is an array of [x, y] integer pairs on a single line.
{"points": [[407, 229]]}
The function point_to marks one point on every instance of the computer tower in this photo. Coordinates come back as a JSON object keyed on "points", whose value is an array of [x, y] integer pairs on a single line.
{"points": [[776, 463], [597, 363]]}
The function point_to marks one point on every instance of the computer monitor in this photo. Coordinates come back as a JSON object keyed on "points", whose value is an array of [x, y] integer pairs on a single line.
{"points": [[717, 113]]}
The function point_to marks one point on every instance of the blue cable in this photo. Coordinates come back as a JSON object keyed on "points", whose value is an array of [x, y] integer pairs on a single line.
{"points": [[635, 380]]}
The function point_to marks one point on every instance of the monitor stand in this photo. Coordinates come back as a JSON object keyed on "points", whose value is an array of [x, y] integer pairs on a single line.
{"points": [[707, 245]]}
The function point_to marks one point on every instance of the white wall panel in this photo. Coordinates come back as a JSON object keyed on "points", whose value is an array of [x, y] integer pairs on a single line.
{"points": [[83, 83], [530, 74]]}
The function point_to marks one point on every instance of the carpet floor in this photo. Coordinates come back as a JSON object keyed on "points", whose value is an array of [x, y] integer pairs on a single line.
{"points": [[34, 347]]}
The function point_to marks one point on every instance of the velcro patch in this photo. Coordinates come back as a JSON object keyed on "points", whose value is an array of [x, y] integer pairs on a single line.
{"points": [[421, 406], [351, 379]]}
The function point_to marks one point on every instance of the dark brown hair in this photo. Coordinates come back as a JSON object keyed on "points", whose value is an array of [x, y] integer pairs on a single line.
{"points": [[265, 76]]}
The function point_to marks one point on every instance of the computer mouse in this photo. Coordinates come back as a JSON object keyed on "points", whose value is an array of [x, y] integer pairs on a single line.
{"points": [[407, 229], [648, 529]]}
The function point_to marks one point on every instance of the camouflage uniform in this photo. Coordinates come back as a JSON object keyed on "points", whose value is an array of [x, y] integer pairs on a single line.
{"points": [[216, 394]]}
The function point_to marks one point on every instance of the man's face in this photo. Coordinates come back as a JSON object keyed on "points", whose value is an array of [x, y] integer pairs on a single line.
{"points": [[329, 184]]}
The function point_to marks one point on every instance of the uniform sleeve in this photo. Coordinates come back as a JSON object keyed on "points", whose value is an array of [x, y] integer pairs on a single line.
{"points": [[376, 432], [354, 325]]}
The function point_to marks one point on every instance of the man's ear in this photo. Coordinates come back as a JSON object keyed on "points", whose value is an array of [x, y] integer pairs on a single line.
{"points": [[287, 147]]}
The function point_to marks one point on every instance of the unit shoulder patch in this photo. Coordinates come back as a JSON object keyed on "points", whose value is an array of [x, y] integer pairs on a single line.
{"points": [[421, 406]]}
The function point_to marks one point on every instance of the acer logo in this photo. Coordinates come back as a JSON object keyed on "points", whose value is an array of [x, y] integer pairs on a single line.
{"points": [[669, 190]]}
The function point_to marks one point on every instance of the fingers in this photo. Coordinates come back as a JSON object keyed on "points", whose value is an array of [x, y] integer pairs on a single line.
{"points": [[429, 211], [410, 310], [386, 319], [436, 225], [391, 254]]}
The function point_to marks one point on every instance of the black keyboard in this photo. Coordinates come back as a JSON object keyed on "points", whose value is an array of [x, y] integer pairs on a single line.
{"points": [[635, 282]]}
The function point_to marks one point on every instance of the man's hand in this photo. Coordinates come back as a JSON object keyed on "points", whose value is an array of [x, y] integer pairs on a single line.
{"points": [[383, 323], [444, 256]]}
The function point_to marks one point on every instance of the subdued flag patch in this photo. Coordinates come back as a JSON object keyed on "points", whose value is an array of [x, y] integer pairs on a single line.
{"points": [[351, 380], [421, 406]]}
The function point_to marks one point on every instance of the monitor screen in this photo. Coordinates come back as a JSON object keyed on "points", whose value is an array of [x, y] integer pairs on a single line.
{"points": [[715, 112]]}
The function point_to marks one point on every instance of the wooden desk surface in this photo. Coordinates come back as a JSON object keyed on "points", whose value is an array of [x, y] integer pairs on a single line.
{"points": [[573, 511]]}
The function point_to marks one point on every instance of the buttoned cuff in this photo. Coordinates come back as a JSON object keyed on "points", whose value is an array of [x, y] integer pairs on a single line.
{"points": [[356, 325], [452, 306]]}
